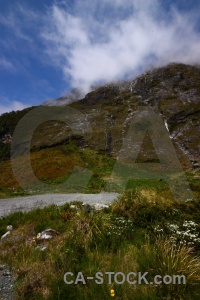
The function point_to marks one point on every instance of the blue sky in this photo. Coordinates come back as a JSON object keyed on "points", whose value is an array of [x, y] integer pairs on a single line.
{"points": [[49, 47]]}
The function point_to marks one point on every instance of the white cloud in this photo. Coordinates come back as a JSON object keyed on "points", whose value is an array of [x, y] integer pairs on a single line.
{"points": [[12, 106], [97, 41], [14, 22], [6, 64], [19, 27]]}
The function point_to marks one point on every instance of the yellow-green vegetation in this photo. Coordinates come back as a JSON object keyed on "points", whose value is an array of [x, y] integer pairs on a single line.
{"points": [[54, 166], [131, 235]]}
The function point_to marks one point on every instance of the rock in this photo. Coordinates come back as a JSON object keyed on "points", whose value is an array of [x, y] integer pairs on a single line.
{"points": [[44, 236], [73, 206], [100, 206], [6, 273], [41, 248], [87, 207], [5, 235], [51, 232], [2, 267], [190, 200], [9, 228], [47, 234]]}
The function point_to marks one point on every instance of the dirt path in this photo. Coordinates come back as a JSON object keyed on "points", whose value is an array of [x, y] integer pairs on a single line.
{"points": [[11, 205]]}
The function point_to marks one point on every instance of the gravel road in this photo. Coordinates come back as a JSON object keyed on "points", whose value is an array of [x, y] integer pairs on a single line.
{"points": [[11, 205]]}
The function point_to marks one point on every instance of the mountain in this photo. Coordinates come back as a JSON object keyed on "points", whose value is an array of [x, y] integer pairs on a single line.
{"points": [[73, 96], [173, 91]]}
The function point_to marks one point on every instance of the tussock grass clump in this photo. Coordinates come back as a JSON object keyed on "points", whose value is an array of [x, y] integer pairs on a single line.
{"points": [[166, 258]]}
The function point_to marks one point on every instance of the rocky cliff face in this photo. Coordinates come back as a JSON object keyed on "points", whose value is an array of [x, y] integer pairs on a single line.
{"points": [[174, 91]]}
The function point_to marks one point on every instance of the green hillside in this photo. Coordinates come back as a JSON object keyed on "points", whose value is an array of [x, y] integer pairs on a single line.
{"points": [[101, 122]]}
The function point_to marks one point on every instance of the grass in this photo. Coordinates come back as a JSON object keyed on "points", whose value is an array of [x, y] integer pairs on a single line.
{"points": [[165, 257], [54, 166], [121, 238]]}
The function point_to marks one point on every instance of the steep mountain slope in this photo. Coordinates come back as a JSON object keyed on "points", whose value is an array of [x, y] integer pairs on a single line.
{"points": [[173, 91]]}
